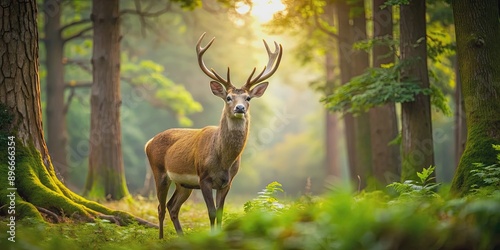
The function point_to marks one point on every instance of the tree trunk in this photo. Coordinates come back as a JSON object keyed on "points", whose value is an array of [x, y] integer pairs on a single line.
{"points": [[56, 118], [383, 119], [331, 119], [360, 63], [33, 185], [106, 177], [417, 144], [477, 31], [345, 53], [460, 125]]}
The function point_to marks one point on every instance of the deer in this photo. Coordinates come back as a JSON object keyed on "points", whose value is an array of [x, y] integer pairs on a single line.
{"points": [[208, 158]]}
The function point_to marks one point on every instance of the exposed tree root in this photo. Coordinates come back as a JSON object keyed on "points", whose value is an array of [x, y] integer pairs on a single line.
{"points": [[55, 218], [42, 196]]}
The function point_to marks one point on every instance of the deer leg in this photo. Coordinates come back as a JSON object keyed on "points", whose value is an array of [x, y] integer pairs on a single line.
{"points": [[162, 185], [174, 205], [206, 190], [221, 197]]}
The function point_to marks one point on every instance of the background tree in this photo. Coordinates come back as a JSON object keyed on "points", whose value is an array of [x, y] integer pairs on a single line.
{"points": [[37, 189], [417, 144], [106, 177], [56, 36], [478, 32], [332, 121], [383, 119], [360, 63]]}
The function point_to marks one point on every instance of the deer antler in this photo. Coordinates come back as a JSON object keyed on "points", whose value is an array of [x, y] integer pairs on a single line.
{"points": [[211, 72], [268, 70]]}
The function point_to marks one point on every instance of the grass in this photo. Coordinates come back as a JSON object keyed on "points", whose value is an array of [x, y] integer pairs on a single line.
{"points": [[105, 235]]}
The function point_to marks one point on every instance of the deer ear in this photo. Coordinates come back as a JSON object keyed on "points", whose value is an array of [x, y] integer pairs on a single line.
{"points": [[259, 90], [218, 90]]}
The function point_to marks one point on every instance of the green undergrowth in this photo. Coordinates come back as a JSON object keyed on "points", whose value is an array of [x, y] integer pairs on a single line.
{"points": [[405, 216]]}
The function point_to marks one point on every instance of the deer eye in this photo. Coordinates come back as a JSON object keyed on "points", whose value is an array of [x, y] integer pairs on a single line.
{"points": [[228, 98], [249, 98]]}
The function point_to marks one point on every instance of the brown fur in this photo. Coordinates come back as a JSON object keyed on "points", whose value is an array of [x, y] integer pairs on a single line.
{"points": [[211, 153], [207, 158]]}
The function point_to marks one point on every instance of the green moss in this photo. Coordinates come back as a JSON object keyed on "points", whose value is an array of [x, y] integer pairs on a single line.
{"points": [[478, 150], [106, 182]]}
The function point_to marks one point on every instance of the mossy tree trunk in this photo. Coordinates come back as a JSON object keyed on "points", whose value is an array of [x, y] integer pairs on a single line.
{"points": [[106, 177], [383, 120], [417, 144], [33, 184], [477, 31]]}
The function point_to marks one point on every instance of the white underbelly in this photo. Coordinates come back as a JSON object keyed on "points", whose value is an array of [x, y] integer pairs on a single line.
{"points": [[184, 179]]}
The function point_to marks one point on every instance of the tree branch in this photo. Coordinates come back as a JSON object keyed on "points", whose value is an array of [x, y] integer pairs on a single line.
{"points": [[79, 34], [322, 27], [145, 13], [83, 64], [69, 25], [75, 85]]}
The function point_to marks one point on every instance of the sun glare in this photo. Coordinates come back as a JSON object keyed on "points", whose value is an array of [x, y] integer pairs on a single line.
{"points": [[262, 10]]}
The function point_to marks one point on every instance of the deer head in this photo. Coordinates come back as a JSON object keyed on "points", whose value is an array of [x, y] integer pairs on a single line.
{"points": [[237, 100]]}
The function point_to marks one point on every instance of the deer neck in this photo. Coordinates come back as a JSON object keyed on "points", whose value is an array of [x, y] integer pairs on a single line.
{"points": [[232, 137]]}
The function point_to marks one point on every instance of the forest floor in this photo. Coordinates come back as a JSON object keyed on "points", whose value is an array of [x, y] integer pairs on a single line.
{"points": [[416, 218], [102, 234]]}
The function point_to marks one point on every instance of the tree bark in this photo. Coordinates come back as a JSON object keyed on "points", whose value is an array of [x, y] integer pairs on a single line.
{"points": [[360, 63], [34, 183], [106, 177], [383, 119], [344, 54], [331, 119], [417, 143], [477, 31], [460, 123], [57, 138]]}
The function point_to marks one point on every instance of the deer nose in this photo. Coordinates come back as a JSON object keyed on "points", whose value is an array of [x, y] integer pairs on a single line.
{"points": [[240, 108]]}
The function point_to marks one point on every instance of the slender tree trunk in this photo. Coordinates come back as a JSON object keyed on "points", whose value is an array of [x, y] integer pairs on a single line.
{"points": [[460, 125], [417, 144], [56, 118], [477, 30], [34, 187], [106, 177], [331, 119], [361, 62], [345, 53], [383, 119]]}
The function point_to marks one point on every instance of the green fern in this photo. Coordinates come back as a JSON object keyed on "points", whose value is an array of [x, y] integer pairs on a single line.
{"points": [[489, 175], [422, 187], [266, 199]]}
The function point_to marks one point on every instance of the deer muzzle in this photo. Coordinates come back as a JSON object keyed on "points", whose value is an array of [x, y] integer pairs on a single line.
{"points": [[240, 111]]}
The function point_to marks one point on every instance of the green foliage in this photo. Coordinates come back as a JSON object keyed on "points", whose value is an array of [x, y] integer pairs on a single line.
{"points": [[266, 200], [425, 186], [147, 77], [375, 87], [379, 86], [337, 220], [489, 175], [390, 3], [439, 44], [368, 221]]}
